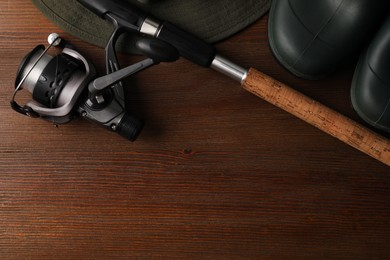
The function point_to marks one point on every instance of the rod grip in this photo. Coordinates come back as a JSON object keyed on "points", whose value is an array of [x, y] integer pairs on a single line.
{"points": [[318, 115]]}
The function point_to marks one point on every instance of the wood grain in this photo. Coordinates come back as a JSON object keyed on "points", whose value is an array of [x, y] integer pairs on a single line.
{"points": [[217, 173]]}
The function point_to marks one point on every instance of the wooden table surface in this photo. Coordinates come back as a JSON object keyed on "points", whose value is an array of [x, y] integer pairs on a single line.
{"points": [[217, 173]]}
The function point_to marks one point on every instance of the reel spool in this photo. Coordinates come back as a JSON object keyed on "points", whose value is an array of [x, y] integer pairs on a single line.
{"points": [[55, 82]]}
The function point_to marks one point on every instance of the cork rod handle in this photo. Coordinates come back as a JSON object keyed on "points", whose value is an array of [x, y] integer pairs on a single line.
{"points": [[318, 115]]}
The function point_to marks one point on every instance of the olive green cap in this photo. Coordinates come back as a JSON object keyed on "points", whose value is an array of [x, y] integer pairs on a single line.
{"points": [[212, 20]]}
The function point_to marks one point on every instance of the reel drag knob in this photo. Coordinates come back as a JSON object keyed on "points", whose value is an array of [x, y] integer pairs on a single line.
{"points": [[129, 127]]}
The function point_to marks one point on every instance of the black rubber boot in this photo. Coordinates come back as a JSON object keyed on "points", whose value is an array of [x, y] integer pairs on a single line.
{"points": [[310, 38], [370, 92]]}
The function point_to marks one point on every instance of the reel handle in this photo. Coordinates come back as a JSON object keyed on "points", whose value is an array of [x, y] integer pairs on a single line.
{"points": [[318, 115]]}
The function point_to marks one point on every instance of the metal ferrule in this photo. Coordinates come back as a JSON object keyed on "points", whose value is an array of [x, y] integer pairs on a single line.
{"points": [[229, 68], [151, 27]]}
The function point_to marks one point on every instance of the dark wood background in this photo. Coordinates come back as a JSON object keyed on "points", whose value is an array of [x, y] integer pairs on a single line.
{"points": [[216, 173]]}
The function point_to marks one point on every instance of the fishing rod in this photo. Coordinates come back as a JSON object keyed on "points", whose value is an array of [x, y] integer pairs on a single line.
{"points": [[263, 86], [163, 41]]}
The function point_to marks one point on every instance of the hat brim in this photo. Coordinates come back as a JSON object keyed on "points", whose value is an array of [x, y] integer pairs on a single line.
{"points": [[210, 20]]}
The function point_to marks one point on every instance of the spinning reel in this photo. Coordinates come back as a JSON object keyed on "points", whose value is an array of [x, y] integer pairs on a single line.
{"points": [[65, 85]]}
